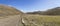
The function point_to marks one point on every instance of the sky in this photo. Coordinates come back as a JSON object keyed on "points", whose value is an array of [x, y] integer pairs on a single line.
{"points": [[32, 5]]}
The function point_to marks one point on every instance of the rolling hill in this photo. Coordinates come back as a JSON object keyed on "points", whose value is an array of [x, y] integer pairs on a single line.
{"points": [[8, 10]]}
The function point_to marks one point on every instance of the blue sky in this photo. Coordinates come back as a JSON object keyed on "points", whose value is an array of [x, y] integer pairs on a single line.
{"points": [[32, 5]]}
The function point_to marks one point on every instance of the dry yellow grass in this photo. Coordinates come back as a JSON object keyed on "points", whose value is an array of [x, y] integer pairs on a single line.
{"points": [[43, 19]]}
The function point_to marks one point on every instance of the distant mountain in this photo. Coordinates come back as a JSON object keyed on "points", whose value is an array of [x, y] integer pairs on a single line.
{"points": [[53, 11], [8, 10], [35, 12]]}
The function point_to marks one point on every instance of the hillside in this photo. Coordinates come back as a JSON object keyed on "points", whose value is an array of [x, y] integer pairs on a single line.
{"points": [[8, 10]]}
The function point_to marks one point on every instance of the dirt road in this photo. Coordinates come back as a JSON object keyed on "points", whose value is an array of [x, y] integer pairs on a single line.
{"points": [[10, 20]]}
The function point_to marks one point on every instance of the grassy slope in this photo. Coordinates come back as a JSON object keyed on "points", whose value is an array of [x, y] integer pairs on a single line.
{"points": [[8, 10]]}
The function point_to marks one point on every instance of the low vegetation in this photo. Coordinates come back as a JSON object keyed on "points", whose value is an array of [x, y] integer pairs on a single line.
{"points": [[42, 20], [50, 17]]}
